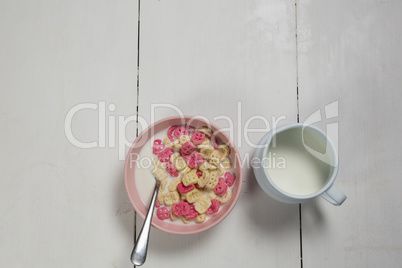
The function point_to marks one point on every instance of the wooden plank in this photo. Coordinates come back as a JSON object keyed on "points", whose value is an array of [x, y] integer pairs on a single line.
{"points": [[204, 57], [350, 53], [61, 205]]}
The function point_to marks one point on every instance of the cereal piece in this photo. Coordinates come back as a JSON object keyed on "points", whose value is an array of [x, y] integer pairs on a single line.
{"points": [[187, 148], [162, 186], [207, 151], [158, 163], [185, 220], [199, 173], [225, 162], [179, 131], [157, 147], [184, 138], [171, 198], [190, 178], [212, 195], [163, 213], [192, 213], [160, 198], [180, 163], [221, 187], [165, 155], [195, 160], [159, 174], [174, 157], [203, 205], [213, 181], [206, 131], [186, 170], [224, 150], [194, 195], [214, 161], [225, 198], [173, 184], [177, 144], [206, 166], [171, 169], [216, 154], [229, 179], [198, 137], [167, 142], [181, 208], [200, 218], [203, 180], [214, 207], [157, 204], [172, 216], [183, 189]]}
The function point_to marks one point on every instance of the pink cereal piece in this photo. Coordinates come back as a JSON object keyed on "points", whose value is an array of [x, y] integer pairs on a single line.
{"points": [[165, 155], [179, 131], [170, 132], [195, 160], [163, 213], [221, 188], [157, 204], [187, 148], [158, 147], [181, 208], [183, 189], [199, 174], [214, 207], [192, 213], [229, 179], [198, 137], [171, 169]]}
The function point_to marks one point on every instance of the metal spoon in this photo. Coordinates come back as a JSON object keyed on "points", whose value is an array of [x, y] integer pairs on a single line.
{"points": [[139, 253]]}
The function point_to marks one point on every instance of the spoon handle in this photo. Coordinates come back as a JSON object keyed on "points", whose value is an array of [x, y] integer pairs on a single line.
{"points": [[139, 253]]}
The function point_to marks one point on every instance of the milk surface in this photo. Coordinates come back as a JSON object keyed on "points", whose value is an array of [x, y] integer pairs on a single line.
{"points": [[292, 168]]}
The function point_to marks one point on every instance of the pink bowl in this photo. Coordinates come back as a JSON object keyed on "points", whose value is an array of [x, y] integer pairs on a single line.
{"points": [[141, 208]]}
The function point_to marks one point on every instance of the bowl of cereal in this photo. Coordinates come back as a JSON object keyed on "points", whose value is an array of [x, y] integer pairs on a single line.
{"points": [[198, 166]]}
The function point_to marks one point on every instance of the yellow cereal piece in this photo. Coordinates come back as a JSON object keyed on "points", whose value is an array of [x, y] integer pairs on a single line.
{"points": [[176, 144], [194, 195], [224, 198], [180, 163], [216, 154], [162, 186], [160, 198], [167, 142], [212, 195], [224, 150], [190, 178], [160, 174], [173, 157], [185, 220], [172, 216], [213, 181], [183, 139], [173, 184], [214, 161], [206, 151], [202, 205], [206, 131], [203, 180], [171, 198], [225, 162], [186, 170], [200, 218]]}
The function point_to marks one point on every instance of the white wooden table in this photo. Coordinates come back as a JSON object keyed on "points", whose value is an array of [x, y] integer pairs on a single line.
{"points": [[65, 206]]}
